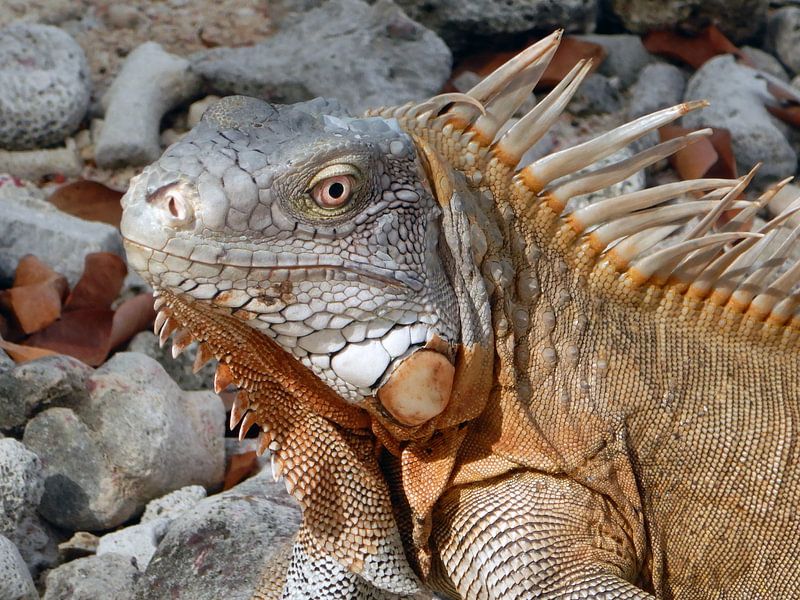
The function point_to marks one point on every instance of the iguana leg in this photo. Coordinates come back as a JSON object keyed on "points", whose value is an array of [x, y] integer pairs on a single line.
{"points": [[292, 574], [530, 535]]}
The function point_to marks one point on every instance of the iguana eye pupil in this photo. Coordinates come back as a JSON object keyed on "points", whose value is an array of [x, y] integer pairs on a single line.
{"points": [[333, 191], [336, 190]]}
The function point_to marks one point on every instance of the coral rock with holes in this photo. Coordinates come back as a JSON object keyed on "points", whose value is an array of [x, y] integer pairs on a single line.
{"points": [[469, 386]]}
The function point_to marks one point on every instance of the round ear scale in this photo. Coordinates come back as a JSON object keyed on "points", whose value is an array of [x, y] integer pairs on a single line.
{"points": [[419, 389]]}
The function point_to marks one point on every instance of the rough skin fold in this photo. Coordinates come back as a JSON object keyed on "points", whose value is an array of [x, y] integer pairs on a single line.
{"points": [[469, 387]]}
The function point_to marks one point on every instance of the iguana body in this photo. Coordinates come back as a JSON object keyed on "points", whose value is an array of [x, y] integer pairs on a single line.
{"points": [[467, 390]]}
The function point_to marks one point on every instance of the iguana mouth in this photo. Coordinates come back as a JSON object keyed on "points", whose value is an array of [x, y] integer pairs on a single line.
{"points": [[277, 273]]}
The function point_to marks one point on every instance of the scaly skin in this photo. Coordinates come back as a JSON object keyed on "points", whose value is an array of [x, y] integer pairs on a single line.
{"points": [[467, 390]]}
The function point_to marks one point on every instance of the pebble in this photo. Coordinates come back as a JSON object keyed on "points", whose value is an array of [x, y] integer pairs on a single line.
{"points": [[737, 96], [136, 437], [227, 538], [21, 489], [36, 164], [30, 225], [465, 24], [625, 59], [323, 54], [33, 386], [150, 83], [174, 503], [597, 94], [660, 85], [93, 578], [44, 86], [783, 36], [15, 579], [764, 61]]}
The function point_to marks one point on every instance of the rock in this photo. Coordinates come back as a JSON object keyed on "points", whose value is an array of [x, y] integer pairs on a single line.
{"points": [[464, 24], [138, 542], [135, 438], [44, 86], [325, 54], [174, 503], [596, 95], [21, 489], [30, 225], [740, 20], [783, 36], [5, 362], [660, 85], [15, 580], [736, 94], [123, 16], [626, 56], [79, 545], [93, 578], [150, 83], [36, 164], [180, 368], [33, 386], [218, 549], [764, 61]]}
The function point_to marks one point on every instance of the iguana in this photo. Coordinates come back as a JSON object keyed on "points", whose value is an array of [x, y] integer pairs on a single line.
{"points": [[469, 387]]}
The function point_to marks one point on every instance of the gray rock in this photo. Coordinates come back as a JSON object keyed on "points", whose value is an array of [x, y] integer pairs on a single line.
{"points": [[366, 56], [137, 437], [44, 85], [36, 164], [174, 503], [660, 85], [764, 61], [467, 23], [740, 20], [39, 384], [150, 83], [597, 95], [30, 225], [21, 489], [93, 578], [217, 549], [180, 369], [783, 36], [15, 580], [737, 96], [5, 362], [138, 542], [626, 56]]}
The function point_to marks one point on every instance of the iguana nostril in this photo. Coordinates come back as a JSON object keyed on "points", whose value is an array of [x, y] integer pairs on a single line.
{"points": [[172, 201]]}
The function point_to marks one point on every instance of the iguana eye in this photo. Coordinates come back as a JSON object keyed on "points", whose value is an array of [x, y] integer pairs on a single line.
{"points": [[333, 191]]}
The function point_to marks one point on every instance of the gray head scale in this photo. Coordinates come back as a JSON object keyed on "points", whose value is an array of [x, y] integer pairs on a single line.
{"points": [[317, 228]]}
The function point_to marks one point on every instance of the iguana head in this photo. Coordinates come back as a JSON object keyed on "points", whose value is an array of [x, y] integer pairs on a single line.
{"points": [[318, 229]]}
